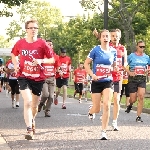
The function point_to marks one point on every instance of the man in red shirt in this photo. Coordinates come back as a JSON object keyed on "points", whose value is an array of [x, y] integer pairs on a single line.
{"points": [[30, 71], [121, 60], [50, 83], [62, 76], [79, 78]]}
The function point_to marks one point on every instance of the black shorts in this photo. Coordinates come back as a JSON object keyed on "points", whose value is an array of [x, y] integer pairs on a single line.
{"points": [[13, 83], [98, 87], [34, 86], [61, 81], [79, 87], [125, 88], [133, 86], [117, 86]]}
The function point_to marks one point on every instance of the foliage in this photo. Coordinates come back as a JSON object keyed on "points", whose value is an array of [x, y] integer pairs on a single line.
{"points": [[46, 15], [4, 42], [8, 4], [13, 2]]}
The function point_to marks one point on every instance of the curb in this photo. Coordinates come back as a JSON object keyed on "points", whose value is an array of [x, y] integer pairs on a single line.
{"points": [[145, 110]]}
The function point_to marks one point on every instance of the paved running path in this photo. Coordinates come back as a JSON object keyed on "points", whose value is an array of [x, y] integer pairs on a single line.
{"points": [[70, 129]]}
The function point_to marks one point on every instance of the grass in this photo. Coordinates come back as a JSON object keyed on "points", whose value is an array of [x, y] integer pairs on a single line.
{"points": [[123, 101]]}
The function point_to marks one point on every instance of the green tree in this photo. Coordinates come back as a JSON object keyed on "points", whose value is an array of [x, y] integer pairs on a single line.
{"points": [[9, 4], [46, 15], [4, 43], [123, 13]]}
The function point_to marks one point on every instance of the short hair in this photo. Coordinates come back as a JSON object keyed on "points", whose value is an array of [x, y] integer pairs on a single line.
{"points": [[140, 41], [116, 30], [49, 40], [98, 34], [30, 21]]}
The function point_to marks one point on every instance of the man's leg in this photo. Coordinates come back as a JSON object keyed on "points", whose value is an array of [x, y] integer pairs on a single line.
{"points": [[51, 96], [45, 95], [65, 84], [116, 107], [59, 85]]}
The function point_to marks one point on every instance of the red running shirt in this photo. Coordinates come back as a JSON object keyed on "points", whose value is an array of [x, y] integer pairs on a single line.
{"points": [[28, 51], [120, 51], [50, 69], [80, 75], [64, 64]]}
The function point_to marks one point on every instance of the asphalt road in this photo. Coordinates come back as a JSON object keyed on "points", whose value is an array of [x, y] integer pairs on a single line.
{"points": [[71, 129]]}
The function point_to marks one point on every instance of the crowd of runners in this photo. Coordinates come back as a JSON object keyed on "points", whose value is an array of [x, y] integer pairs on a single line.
{"points": [[39, 74]]}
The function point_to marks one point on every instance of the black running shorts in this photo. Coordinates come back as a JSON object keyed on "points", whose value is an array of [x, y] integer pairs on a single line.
{"points": [[79, 87], [117, 86], [98, 87], [61, 81], [34, 86], [133, 86]]}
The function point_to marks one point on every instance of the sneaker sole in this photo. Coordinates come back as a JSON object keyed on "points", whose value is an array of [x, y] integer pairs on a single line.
{"points": [[28, 137], [103, 138], [115, 129]]}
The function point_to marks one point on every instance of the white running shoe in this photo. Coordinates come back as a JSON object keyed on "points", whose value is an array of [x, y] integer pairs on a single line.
{"points": [[17, 104], [91, 116], [103, 135], [114, 126], [80, 101]]}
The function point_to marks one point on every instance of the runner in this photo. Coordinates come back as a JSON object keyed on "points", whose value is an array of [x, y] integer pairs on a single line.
{"points": [[137, 62], [103, 57], [86, 87], [13, 83], [63, 76], [117, 76], [125, 88], [79, 78], [31, 51], [49, 85]]}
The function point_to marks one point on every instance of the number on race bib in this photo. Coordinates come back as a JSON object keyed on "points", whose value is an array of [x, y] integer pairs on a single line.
{"points": [[103, 71], [139, 70]]}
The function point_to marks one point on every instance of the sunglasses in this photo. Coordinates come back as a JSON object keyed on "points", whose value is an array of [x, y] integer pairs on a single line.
{"points": [[32, 28], [141, 46]]}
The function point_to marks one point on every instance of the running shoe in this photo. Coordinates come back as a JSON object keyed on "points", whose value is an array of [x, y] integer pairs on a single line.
{"points": [[114, 126], [29, 134], [47, 114], [138, 119], [56, 101], [103, 135], [129, 108], [91, 116], [80, 101], [63, 106], [17, 104]]}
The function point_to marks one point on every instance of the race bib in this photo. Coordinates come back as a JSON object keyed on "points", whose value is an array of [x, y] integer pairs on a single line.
{"points": [[31, 70], [64, 68], [49, 70], [103, 71], [139, 70]]}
